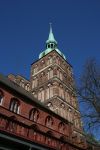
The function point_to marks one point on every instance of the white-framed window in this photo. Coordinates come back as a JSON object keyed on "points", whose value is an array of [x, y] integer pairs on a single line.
{"points": [[14, 105]]}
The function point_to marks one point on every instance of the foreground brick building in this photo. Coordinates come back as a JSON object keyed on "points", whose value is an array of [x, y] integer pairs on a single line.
{"points": [[41, 113]]}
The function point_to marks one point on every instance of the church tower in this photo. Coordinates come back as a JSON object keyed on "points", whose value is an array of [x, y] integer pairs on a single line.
{"points": [[53, 84]]}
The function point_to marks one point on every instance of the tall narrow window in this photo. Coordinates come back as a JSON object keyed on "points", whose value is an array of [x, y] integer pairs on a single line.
{"points": [[35, 82], [41, 94], [49, 60], [35, 70], [58, 60], [50, 73], [60, 76], [49, 91], [1, 97], [14, 105], [34, 114], [42, 64], [70, 116], [62, 110], [49, 121], [61, 127], [61, 91]]}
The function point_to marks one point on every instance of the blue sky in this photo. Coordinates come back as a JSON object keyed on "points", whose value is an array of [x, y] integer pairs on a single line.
{"points": [[24, 28]]}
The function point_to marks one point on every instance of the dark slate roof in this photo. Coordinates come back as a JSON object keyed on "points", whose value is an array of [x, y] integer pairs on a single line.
{"points": [[27, 96]]}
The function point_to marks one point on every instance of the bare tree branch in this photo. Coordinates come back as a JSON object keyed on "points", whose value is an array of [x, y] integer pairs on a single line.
{"points": [[89, 94]]}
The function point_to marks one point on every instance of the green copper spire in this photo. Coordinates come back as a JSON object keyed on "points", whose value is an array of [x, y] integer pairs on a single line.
{"points": [[51, 38], [51, 44]]}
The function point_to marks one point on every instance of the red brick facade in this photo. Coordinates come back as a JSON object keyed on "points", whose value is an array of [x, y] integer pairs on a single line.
{"points": [[46, 128], [42, 113]]}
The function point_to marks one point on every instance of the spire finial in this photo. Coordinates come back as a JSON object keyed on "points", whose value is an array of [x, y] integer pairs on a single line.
{"points": [[50, 27], [51, 44], [51, 38]]}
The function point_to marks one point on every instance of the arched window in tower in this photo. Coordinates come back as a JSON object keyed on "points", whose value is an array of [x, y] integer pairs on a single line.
{"points": [[42, 64], [49, 121], [49, 91], [49, 60], [35, 69], [41, 94], [67, 96], [34, 114], [61, 91], [61, 127], [14, 105], [58, 72], [1, 97], [70, 115], [50, 73], [34, 82], [42, 77], [61, 75], [77, 121], [58, 60], [62, 110]]}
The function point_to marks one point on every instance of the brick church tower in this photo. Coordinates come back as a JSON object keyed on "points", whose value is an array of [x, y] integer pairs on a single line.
{"points": [[53, 84], [41, 113]]}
